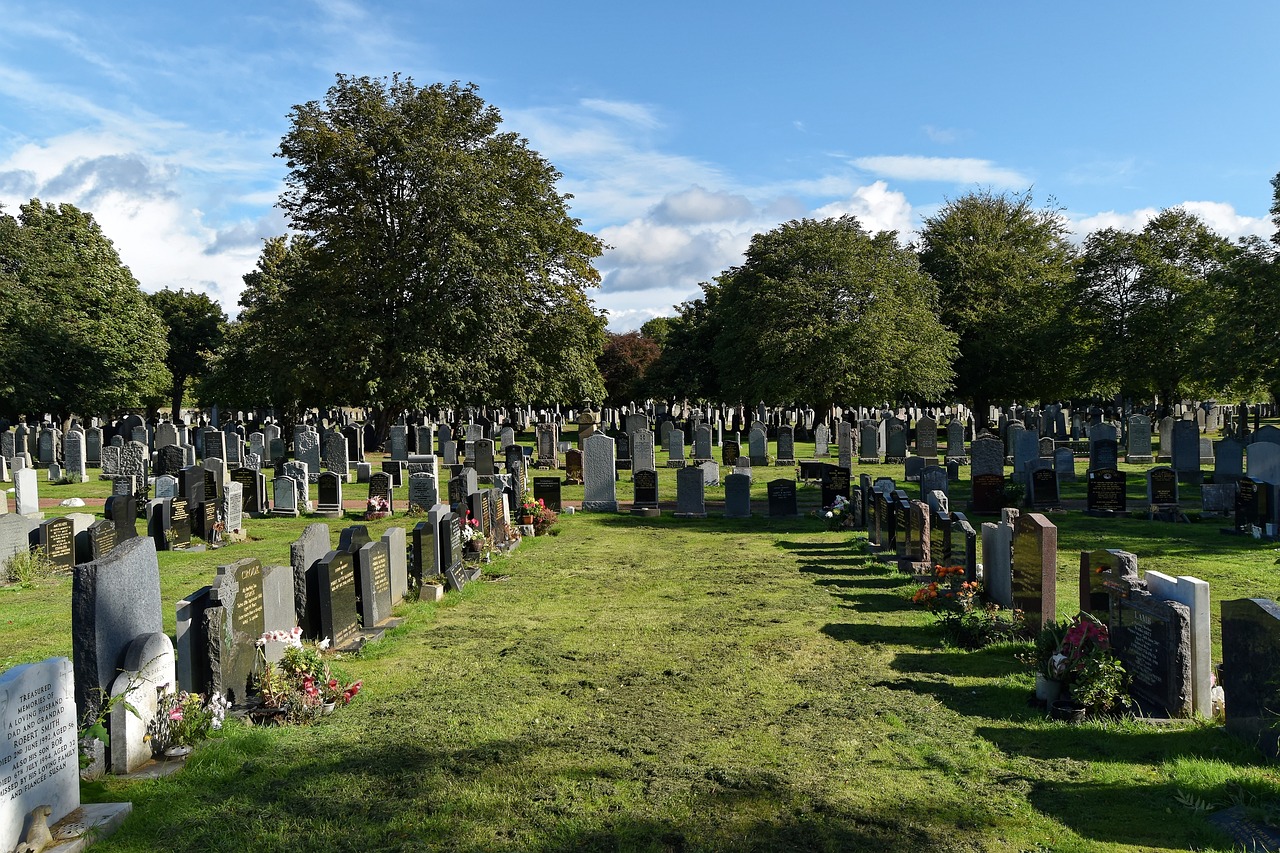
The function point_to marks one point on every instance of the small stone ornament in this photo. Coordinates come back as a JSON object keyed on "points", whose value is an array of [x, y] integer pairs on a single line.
{"points": [[38, 836]]}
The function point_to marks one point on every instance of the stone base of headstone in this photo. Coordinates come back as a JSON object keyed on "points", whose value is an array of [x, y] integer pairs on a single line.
{"points": [[868, 460], [759, 460], [895, 460], [675, 463], [1106, 513], [325, 512], [784, 463], [690, 515], [646, 512], [1193, 478], [526, 529], [599, 506], [1248, 832], [964, 460], [695, 463], [1164, 460], [1140, 460], [622, 464], [284, 513], [87, 824]]}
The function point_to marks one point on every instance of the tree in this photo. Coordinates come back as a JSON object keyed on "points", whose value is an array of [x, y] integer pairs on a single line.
{"points": [[1245, 352], [656, 329], [625, 361], [822, 311], [685, 368], [196, 325], [1275, 207], [444, 265], [79, 334], [1005, 273]]}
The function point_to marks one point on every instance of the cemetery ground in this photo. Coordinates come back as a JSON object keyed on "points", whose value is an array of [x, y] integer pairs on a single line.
{"points": [[660, 684]]}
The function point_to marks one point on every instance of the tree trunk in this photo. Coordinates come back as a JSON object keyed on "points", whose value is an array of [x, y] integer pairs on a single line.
{"points": [[178, 392]]}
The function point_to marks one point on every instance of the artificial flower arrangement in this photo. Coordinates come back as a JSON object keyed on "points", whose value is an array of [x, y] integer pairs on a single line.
{"points": [[839, 515], [1088, 668], [301, 686], [967, 619], [377, 507], [474, 538], [184, 719]]}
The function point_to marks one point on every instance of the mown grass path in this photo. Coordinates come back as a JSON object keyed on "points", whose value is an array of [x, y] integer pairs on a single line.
{"points": [[713, 685]]}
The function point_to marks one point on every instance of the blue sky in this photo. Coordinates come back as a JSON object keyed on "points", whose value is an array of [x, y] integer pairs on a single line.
{"points": [[681, 128]]}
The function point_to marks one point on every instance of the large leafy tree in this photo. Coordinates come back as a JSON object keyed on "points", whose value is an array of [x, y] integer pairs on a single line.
{"points": [[1156, 304], [685, 368], [624, 364], [1005, 272], [821, 311], [77, 333], [1245, 350], [195, 326], [443, 264]]}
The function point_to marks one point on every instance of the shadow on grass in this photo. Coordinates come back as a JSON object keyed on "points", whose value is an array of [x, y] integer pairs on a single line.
{"points": [[992, 701], [718, 524], [1132, 743], [983, 663], [831, 567], [890, 635]]}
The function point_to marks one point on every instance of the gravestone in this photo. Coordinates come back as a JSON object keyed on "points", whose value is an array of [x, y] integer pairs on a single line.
{"points": [[284, 497], [927, 439], [373, 579], [26, 493], [38, 745], [1217, 498], [233, 623], [868, 444], [895, 441], [955, 440], [573, 462], [730, 451], [1034, 568], [1152, 639], [758, 444], [380, 488], [822, 441], [424, 492], [253, 492], [304, 552], [835, 483], [1250, 649], [73, 455], [644, 501], [1162, 487], [702, 444], [1044, 488], [674, 444], [600, 486], [782, 498], [737, 496], [1193, 594], [56, 539], [642, 452], [933, 478], [1064, 464], [912, 468], [1105, 492], [335, 595], [997, 553], [336, 458], [1228, 461], [329, 493], [1186, 451], [113, 600], [1138, 450], [690, 490], [547, 490]]}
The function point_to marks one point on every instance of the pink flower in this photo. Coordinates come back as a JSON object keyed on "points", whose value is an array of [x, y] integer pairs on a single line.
{"points": [[176, 714]]}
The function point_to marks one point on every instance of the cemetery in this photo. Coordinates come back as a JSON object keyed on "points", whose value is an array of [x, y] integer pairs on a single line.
{"points": [[542, 621]]}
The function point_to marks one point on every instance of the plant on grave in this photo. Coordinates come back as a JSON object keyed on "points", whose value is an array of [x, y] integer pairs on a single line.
{"points": [[1045, 646], [414, 511], [474, 537], [543, 516], [839, 515], [302, 682], [184, 719], [1086, 664], [967, 620], [25, 567], [1014, 493]]}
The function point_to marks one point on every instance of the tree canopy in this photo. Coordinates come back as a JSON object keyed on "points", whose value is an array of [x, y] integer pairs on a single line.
{"points": [[434, 260], [76, 332], [195, 326]]}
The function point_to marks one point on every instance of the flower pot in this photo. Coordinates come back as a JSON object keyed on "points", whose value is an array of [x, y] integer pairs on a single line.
{"points": [[1067, 710], [1048, 690], [328, 707], [526, 520], [177, 752]]}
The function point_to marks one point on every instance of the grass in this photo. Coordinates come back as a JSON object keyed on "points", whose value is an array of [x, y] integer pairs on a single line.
{"points": [[638, 684]]}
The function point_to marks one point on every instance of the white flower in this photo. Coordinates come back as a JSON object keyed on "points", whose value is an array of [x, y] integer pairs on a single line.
{"points": [[829, 514], [323, 644]]}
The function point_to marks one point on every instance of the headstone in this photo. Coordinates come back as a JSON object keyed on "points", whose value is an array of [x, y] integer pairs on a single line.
{"points": [[335, 599], [1186, 451], [822, 441], [786, 446], [642, 451], [782, 498], [547, 490], [1138, 450], [927, 439], [1162, 487], [690, 502], [730, 450], [329, 493], [933, 478], [1228, 461], [1064, 465], [284, 497], [1192, 593], [113, 600], [373, 576], [737, 496], [26, 493], [997, 552], [38, 745], [56, 538], [600, 486], [573, 467], [1250, 649], [1105, 492], [1044, 488]]}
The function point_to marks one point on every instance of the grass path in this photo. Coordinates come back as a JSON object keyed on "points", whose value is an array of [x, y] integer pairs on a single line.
{"points": [[653, 685]]}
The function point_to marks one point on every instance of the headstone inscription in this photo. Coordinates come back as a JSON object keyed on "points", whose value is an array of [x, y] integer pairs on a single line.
{"points": [[1105, 492], [547, 490], [38, 746], [335, 595], [782, 498]]}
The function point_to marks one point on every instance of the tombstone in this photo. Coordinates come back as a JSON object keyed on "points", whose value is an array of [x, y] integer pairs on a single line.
{"points": [[547, 445], [336, 457], [782, 498], [424, 491], [642, 451], [997, 553], [73, 454], [26, 493], [1263, 462], [927, 439], [573, 467], [600, 486], [835, 483], [380, 488], [373, 579], [214, 444], [868, 444], [253, 490], [1026, 451], [334, 595], [1228, 461], [822, 441], [1105, 492], [786, 446], [644, 500], [933, 478], [737, 496], [1193, 594], [1138, 450], [449, 539], [912, 468], [895, 441], [398, 442], [547, 490], [56, 540], [1186, 451], [113, 600], [1035, 568], [730, 451], [39, 752], [394, 468], [1162, 487], [1152, 638], [1044, 488], [674, 444], [1254, 504], [233, 622], [1250, 649], [690, 491], [955, 440], [1064, 464], [702, 444], [329, 493], [1104, 448], [483, 460]]}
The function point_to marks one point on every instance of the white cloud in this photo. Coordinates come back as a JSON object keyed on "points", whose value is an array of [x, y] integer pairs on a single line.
{"points": [[955, 170], [634, 114], [941, 135], [877, 207], [1219, 217], [697, 205]]}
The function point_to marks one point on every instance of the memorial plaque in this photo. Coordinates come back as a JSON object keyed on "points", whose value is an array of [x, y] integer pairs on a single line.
{"points": [[180, 523], [102, 538], [1153, 641]]}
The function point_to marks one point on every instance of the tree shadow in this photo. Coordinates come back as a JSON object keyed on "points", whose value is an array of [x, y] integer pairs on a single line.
{"points": [[1150, 743], [885, 635]]}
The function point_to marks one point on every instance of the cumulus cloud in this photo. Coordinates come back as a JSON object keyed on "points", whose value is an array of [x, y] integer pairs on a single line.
{"points": [[876, 206], [954, 170], [1220, 217], [697, 205]]}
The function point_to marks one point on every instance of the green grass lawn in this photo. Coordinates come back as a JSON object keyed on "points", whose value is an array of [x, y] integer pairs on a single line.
{"points": [[633, 684]]}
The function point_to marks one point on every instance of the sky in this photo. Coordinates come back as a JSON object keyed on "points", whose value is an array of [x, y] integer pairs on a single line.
{"points": [[680, 128]]}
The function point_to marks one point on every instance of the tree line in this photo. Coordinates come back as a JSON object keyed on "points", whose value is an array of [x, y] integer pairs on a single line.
{"points": [[432, 261]]}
